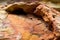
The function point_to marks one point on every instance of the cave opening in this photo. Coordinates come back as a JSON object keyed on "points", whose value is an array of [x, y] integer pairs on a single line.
{"points": [[17, 11]]}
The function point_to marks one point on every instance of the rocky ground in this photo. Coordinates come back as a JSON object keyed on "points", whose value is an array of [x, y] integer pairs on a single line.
{"points": [[29, 21]]}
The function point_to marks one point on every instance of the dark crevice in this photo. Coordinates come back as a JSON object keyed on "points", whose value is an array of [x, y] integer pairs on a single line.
{"points": [[58, 38], [54, 16], [17, 11], [50, 27]]}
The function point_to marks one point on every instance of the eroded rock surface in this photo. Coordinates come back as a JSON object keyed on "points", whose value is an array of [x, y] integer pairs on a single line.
{"points": [[29, 21]]}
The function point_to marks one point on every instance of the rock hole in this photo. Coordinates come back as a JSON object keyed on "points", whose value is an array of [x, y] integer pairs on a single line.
{"points": [[17, 11]]}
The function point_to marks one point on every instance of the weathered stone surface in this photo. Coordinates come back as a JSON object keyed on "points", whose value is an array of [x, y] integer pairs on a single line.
{"points": [[30, 21]]}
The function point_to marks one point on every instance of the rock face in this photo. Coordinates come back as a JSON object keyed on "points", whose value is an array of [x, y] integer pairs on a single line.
{"points": [[29, 21]]}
